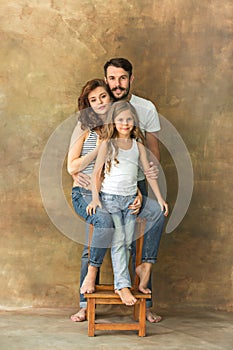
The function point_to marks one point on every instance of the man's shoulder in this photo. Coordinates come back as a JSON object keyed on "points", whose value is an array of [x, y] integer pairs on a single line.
{"points": [[141, 101]]}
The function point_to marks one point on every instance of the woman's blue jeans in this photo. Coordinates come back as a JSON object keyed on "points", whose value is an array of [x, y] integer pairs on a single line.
{"points": [[102, 233]]}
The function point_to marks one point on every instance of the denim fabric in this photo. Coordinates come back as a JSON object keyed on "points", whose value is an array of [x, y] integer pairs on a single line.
{"points": [[124, 222], [102, 233], [153, 233]]}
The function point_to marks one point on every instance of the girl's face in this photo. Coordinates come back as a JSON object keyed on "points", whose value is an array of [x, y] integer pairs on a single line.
{"points": [[99, 100], [124, 123]]}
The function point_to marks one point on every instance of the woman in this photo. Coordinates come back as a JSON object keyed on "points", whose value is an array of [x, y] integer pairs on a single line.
{"points": [[93, 105]]}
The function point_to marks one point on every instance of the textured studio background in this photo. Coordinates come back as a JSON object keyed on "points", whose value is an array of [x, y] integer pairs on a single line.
{"points": [[181, 52]]}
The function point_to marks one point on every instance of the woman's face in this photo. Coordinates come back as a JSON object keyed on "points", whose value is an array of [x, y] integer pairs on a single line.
{"points": [[99, 100]]}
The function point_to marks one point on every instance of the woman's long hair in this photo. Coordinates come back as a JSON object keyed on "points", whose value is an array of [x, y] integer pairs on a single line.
{"points": [[110, 133], [87, 117]]}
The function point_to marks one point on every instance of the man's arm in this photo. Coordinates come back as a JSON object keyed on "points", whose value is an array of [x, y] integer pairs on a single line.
{"points": [[152, 144]]}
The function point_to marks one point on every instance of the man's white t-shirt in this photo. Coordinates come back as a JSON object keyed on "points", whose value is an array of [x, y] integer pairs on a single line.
{"points": [[148, 118]]}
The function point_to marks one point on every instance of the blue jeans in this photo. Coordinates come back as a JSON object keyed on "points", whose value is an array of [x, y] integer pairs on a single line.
{"points": [[153, 232], [124, 223], [152, 236], [102, 233]]}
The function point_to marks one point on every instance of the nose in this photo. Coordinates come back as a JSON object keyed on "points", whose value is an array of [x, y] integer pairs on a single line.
{"points": [[99, 100], [117, 82]]}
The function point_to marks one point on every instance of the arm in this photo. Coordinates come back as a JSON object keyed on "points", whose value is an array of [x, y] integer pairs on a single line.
{"points": [[153, 145], [153, 182], [96, 179], [137, 203], [75, 163]]}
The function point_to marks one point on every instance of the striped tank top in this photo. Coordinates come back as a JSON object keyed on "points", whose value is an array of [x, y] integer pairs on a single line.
{"points": [[88, 146]]}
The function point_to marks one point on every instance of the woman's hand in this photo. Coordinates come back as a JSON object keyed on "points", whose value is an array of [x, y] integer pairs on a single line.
{"points": [[152, 172], [81, 179], [136, 205], [91, 208]]}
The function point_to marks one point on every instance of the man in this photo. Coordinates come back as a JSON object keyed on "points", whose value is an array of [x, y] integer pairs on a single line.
{"points": [[119, 77]]}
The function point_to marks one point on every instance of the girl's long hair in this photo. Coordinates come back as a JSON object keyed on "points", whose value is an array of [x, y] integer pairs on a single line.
{"points": [[110, 133], [87, 117]]}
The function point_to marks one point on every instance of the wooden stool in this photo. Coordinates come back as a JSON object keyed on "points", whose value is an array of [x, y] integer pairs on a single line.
{"points": [[105, 294]]}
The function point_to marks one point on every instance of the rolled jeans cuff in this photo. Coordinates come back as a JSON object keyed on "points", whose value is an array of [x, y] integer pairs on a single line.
{"points": [[83, 304]]}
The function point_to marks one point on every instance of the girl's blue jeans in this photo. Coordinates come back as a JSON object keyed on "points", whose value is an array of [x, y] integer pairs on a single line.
{"points": [[124, 223]]}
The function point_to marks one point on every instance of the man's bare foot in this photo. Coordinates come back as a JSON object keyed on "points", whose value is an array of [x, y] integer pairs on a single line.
{"points": [[143, 271], [80, 316], [88, 285], [126, 296], [152, 318]]}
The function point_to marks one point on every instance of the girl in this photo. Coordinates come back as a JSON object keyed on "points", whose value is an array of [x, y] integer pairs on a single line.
{"points": [[93, 104], [119, 155]]}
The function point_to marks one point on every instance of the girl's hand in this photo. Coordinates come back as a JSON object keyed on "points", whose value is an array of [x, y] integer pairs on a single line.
{"points": [[164, 207], [136, 205], [152, 172], [91, 208]]}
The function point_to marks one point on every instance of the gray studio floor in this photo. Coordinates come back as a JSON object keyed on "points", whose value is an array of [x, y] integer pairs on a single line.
{"points": [[45, 329]]}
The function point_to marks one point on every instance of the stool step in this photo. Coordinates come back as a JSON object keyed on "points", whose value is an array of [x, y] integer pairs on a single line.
{"points": [[105, 294]]}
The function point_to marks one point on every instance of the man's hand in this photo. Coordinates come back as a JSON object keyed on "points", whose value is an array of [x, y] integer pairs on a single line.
{"points": [[152, 172], [81, 180]]}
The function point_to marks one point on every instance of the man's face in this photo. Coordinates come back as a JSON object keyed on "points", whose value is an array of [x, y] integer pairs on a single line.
{"points": [[118, 81]]}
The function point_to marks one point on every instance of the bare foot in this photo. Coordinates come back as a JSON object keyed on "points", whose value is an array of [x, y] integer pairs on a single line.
{"points": [[143, 271], [80, 316], [126, 296], [152, 318], [88, 285]]}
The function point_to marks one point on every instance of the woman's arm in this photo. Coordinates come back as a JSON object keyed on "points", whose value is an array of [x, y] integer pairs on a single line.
{"points": [[75, 162], [153, 182], [96, 178]]}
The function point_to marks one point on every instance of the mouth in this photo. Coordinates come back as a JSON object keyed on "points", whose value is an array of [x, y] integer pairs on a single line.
{"points": [[101, 108]]}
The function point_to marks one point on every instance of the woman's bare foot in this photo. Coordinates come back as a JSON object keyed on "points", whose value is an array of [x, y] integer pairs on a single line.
{"points": [[126, 296], [143, 271], [88, 285], [80, 316], [152, 318]]}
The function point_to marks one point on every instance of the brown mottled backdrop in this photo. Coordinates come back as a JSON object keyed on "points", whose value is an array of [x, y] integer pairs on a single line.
{"points": [[181, 52]]}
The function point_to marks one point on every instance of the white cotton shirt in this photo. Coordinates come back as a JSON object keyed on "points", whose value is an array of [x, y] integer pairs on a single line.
{"points": [[147, 114], [123, 177], [148, 119]]}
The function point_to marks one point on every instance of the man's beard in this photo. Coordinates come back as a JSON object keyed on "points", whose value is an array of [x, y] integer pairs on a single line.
{"points": [[123, 96]]}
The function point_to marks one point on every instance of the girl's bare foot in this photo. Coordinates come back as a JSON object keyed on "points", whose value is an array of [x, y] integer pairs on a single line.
{"points": [[80, 316], [126, 296], [152, 318], [88, 285], [143, 271]]}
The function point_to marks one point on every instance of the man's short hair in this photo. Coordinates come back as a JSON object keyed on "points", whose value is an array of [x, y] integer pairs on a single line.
{"points": [[119, 63]]}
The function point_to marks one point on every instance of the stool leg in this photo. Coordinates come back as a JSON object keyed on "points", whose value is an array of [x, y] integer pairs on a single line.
{"points": [[91, 317], [142, 318], [136, 311]]}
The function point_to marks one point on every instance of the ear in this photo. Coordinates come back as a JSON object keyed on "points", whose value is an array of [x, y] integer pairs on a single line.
{"points": [[131, 79], [105, 79]]}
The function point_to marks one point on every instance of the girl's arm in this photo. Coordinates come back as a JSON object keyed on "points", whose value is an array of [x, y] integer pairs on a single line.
{"points": [[75, 163], [96, 178], [153, 182]]}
